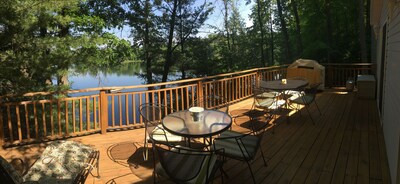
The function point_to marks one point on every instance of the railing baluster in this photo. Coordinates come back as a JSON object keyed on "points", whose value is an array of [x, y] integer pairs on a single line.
{"points": [[51, 118], [113, 109], [18, 123], [66, 118], [80, 115], [36, 120], [126, 109], [44, 119], [94, 113], [1, 124], [134, 108], [87, 113], [73, 117], [120, 109], [28, 130], [103, 111], [10, 129]]}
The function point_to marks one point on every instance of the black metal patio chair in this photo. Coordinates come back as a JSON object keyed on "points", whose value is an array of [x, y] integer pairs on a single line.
{"points": [[306, 97], [243, 146], [152, 115], [185, 165]]}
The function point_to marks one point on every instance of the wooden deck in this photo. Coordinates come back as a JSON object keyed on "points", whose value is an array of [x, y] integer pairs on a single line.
{"points": [[344, 146]]}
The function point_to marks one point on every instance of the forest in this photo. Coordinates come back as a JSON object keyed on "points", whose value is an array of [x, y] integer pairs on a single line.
{"points": [[40, 40]]}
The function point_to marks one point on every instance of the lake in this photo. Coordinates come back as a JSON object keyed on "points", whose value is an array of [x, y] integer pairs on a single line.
{"points": [[124, 75]]}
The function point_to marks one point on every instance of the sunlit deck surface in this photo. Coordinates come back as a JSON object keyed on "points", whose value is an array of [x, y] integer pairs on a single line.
{"points": [[344, 146]]}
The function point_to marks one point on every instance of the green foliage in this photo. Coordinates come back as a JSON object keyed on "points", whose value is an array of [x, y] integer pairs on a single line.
{"points": [[41, 40]]}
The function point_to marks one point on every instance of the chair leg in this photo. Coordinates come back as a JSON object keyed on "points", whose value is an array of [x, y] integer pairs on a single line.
{"points": [[146, 151], [309, 114], [251, 172], [262, 155], [317, 107]]}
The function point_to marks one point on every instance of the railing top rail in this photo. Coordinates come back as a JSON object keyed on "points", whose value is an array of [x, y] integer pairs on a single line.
{"points": [[30, 94], [349, 64]]}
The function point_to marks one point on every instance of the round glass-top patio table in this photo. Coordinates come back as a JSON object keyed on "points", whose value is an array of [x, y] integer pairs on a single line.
{"points": [[209, 123]]}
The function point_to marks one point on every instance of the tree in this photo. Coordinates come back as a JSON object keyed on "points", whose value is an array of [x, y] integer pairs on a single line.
{"points": [[285, 33], [145, 32], [260, 10], [43, 39], [361, 27], [298, 28], [195, 17]]}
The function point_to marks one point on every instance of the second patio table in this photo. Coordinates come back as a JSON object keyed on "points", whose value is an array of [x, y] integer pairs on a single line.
{"points": [[277, 85], [210, 122]]}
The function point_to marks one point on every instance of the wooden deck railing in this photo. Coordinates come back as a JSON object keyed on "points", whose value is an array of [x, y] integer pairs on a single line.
{"points": [[336, 74], [45, 116]]}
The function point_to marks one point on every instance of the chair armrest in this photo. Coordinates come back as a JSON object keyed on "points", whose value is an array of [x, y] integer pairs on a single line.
{"points": [[19, 165], [92, 163]]}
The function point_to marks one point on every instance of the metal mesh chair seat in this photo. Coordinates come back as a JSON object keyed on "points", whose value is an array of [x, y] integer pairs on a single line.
{"points": [[185, 165]]}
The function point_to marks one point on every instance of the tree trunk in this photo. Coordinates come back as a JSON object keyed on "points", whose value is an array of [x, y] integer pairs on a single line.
{"points": [[183, 59], [168, 58], [329, 28], [262, 32], [298, 30], [361, 34], [227, 33], [146, 42], [284, 31], [272, 45], [62, 79], [368, 30]]}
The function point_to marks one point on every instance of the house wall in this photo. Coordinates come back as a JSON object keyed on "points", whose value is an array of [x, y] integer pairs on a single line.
{"points": [[390, 117]]}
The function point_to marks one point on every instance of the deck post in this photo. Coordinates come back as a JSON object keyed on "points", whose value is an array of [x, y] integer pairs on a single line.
{"points": [[258, 78], [199, 89], [103, 111]]}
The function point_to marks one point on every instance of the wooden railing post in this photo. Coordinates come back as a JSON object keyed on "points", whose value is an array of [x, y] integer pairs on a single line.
{"points": [[199, 88], [103, 111]]}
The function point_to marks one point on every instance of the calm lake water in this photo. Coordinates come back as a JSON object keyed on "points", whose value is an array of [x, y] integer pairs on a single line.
{"points": [[125, 75]]}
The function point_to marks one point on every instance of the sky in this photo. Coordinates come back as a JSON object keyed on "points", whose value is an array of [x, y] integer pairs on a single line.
{"points": [[216, 19]]}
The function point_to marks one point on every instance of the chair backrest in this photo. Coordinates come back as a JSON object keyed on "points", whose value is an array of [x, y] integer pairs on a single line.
{"points": [[8, 174], [312, 89], [152, 113], [185, 165], [263, 98], [309, 93], [215, 102]]}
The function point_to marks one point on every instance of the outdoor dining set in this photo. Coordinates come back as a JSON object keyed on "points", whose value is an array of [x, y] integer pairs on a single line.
{"points": [[189, 145]]}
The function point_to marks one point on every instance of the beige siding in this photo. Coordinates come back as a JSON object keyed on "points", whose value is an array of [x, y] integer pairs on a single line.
{"points": [[391, 114]]}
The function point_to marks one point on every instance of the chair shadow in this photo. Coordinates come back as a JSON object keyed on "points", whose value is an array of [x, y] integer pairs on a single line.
{"points": [[130, 154]]}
